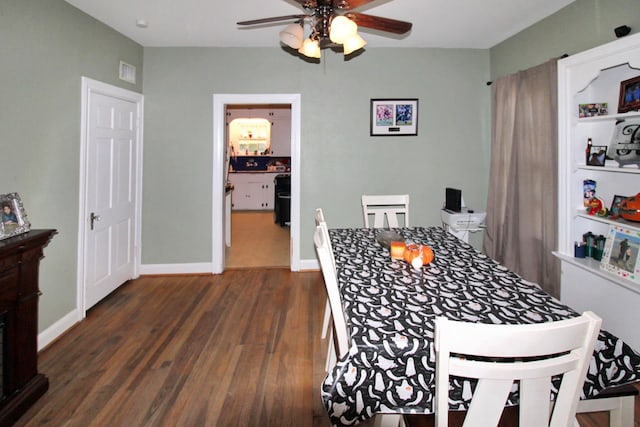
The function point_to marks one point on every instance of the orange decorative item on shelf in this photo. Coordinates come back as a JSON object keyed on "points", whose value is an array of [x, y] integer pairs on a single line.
{"points": [[418, 255], [630, 208]]}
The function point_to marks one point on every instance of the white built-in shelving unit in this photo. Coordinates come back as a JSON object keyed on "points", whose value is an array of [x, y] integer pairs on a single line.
{"points": [[594, 76]]}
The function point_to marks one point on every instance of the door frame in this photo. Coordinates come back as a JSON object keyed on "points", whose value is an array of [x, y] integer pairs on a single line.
{"points": [[89, 87], [219, 103]]}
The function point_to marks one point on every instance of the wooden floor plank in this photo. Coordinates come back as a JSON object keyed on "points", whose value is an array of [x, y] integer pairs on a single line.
{"points": [[238, 349]]}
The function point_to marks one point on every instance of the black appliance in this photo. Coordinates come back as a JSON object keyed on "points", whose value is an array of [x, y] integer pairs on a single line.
{"points": [[282, 202]]}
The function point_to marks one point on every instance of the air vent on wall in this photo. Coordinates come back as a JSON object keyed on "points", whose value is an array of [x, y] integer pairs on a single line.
{"points": [[127, 72]]}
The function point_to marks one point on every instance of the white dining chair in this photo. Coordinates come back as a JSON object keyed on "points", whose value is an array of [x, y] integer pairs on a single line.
{"points": [[389, 207], [327, 265], [530, 354], [326, 322], [341, 340], [618, 403], [327, 310]]}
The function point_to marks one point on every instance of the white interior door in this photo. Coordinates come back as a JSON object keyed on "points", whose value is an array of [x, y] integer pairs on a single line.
{"points": [[111, 196]]}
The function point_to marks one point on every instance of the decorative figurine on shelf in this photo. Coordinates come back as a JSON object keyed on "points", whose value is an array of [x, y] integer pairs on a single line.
{"points": [[588, 191], [596, 207]]}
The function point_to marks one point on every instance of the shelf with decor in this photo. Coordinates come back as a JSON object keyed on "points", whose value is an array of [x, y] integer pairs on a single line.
{"points": [[591, 83], [591, 266], [614, 169], [609, 117], [609, 220]]}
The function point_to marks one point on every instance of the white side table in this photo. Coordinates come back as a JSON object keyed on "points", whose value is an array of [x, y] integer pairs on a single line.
{"points": [[460, 224]]}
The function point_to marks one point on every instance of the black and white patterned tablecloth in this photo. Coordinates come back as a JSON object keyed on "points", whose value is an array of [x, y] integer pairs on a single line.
{"points": [[390, 308]]}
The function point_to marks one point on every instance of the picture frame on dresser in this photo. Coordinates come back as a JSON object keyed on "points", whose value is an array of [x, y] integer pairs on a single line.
{"points": [[14, 217], [622, 252], [629, 99]]}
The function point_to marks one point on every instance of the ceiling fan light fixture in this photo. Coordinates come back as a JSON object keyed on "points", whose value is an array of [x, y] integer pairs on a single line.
{"points": [[292, 36], [310, 48], [353, 43], [341, 29]]}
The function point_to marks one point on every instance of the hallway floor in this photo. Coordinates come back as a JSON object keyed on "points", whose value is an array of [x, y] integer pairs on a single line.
{"points": [[257, 241]]}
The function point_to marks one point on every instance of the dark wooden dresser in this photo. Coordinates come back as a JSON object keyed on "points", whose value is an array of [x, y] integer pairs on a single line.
{"points": [[21, 384]]}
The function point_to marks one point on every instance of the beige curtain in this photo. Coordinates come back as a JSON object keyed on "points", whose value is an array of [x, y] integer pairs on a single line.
{"points": [[522, 203]]}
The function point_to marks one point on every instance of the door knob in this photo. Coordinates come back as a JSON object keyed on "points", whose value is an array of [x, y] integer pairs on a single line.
{"points": [[94, 218]]}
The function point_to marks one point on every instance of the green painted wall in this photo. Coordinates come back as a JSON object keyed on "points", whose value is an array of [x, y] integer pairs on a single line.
{"points": [[340, 161], [580, 26], [45, 47]]}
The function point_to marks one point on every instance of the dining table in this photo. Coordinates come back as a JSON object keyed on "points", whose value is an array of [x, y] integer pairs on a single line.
{"points": [[390, 308]]}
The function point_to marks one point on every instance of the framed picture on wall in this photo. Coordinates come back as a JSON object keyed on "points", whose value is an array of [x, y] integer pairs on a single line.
{"points": [[391, 117], [14, 218]]}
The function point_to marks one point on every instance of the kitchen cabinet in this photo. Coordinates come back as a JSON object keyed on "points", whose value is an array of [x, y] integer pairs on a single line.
{"points": [[280, 131], [252, 191], [594, 76], [280, 119]]}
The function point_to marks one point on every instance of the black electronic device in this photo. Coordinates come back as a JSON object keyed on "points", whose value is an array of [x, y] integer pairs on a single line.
{"points": [[453, 199], [622, 30]]}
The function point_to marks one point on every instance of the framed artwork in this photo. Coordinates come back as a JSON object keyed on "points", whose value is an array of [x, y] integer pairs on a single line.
{"points": [[592, 110], [391, 117], [597, 155], [629, 95], [614, 211], [621, 252], [14, 218]]}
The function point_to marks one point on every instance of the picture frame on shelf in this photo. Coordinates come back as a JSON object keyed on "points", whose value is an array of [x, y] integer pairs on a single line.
{"points": [[593, 109], [390, 117], [597, 155], [629, 95], [14, 218], [621, 253], [614, 211]]}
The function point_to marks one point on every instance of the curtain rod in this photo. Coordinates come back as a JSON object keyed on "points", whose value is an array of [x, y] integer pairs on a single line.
{"points": [[489, 83]]}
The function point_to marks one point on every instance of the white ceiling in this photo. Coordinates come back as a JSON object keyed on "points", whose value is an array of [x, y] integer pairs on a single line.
{"points": [[477, 24]]}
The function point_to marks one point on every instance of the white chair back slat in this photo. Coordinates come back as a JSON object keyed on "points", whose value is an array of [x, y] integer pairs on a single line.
{"points": [[386, 210]]}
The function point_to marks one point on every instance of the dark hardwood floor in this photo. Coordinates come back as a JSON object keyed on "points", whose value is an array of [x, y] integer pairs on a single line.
{"points": [[238, 349]]}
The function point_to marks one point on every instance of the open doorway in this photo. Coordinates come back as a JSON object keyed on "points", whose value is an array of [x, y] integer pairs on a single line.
{"points": [[256, 241], [258, 178], [220, 211]]}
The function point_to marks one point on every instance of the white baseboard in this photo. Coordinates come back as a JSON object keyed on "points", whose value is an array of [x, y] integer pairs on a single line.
{"points": [[191, 268], [47, 336], [205, 267], [309, 264]]}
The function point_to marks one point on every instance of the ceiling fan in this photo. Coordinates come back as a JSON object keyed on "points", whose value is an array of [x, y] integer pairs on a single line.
{"points": [[333, 23]]}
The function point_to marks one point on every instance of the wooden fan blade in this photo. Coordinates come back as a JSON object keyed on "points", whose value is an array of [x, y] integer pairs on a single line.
{"points": [[274, 19], [378, 23], [349, 4]]}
